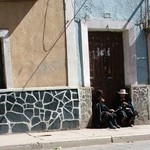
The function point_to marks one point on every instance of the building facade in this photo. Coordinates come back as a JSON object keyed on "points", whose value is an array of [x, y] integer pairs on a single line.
{"points": [[54, 54], [113, 44], [38, 90]]}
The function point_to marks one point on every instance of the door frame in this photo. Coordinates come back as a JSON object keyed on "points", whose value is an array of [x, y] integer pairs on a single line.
{"points": [[129, 46]]}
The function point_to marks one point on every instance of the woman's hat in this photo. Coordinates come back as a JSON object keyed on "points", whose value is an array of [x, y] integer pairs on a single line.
{"points": [[122, 91]]}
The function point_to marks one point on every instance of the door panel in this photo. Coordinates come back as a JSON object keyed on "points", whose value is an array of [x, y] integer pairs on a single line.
{"points": [[106, 63]]}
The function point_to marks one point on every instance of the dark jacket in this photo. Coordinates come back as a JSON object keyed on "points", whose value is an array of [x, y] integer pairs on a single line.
{"points": [[102, 115]]}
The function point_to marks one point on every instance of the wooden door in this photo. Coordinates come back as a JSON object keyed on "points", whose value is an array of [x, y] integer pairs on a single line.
{"points": [[106, 63]]}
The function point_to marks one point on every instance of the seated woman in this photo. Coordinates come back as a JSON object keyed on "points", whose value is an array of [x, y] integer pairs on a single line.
{"points": [[104, 116], [125, 109]]}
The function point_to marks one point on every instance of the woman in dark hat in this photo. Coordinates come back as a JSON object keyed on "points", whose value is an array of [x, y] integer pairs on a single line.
{"points": [[105, 117], [125, 113]]}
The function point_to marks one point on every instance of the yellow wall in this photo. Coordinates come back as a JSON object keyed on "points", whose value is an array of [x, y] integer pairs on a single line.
{"points": [[38, 53]]}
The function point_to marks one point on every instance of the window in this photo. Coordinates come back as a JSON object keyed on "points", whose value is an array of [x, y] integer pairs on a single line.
{"points": [[5, 61]]}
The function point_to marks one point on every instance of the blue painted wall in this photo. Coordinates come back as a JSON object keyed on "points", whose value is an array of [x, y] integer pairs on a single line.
{"points": [[129, 10]]}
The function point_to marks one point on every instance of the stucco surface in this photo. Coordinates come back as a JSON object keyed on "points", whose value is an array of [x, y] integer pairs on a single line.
{"points": [[122, 9], [37, 42]]}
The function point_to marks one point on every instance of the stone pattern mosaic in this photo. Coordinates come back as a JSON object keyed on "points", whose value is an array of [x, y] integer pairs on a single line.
{"points": [[140, 96], [85, 107], [26, 111]]}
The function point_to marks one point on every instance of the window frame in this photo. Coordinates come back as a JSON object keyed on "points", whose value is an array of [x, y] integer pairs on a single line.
{"points": [[4, 36]]}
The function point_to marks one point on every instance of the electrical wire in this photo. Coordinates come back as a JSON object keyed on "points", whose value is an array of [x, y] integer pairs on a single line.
{"points": [[49, 50]]}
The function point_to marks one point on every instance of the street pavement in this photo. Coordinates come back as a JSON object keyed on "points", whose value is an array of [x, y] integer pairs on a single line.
{"points": [[73, 138]]}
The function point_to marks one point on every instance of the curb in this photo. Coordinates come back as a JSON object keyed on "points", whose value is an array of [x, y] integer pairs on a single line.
{"points": [[63, 144], [77, 143], [131, 138]]}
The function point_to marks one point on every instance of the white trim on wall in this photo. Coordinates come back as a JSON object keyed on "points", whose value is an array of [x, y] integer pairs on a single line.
{"points": [[4, 35], [71, 45], [129, 38], [85, 55]]}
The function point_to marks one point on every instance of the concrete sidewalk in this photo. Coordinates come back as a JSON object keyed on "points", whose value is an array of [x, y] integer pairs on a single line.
{"points": [[73, 138]]}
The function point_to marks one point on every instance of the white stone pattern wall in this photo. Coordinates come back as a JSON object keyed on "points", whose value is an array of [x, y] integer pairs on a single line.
{"points": [[140, 97], [26, 111], [85, 107]]}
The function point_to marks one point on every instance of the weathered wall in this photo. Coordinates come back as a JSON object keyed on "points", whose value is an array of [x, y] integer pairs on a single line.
{"points": [[37, 42], [125, 10], [117, 11], [39, 110]]}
